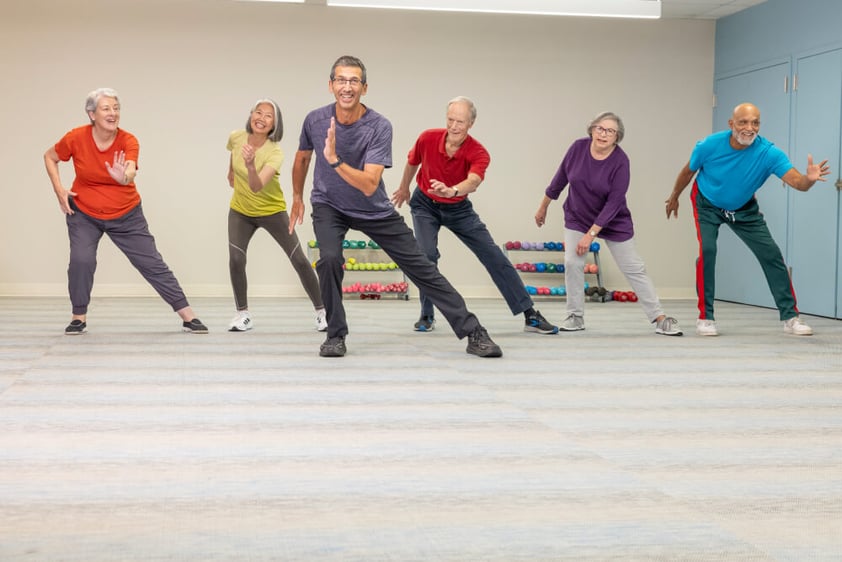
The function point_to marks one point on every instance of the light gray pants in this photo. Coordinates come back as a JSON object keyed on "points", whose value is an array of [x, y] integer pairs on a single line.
{"points": [[630, 264]]}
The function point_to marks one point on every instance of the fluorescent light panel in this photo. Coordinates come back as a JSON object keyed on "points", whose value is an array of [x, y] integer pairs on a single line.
{"points": [[594, 8]]}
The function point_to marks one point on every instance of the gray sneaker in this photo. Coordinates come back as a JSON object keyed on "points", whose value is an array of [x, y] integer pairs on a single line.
{"points": [[481, 345], [333, 347], [668, 327], [572, 323]]}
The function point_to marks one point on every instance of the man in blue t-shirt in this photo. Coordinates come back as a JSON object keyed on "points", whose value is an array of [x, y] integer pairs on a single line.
{"points": [[732, 165], [355, 146]]}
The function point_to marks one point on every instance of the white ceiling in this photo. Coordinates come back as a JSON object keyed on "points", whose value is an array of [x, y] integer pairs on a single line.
{"points": [[680, 9], [703, 9]]}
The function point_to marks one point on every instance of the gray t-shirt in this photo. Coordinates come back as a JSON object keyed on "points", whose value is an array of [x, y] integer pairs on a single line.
{"points": [[366, 141]]}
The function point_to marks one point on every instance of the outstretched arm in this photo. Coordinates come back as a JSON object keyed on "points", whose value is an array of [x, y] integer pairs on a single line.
{"points": [[815, 172], [681, 182], [464, 187]]}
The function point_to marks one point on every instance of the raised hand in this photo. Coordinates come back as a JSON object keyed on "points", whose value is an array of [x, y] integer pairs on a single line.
{"points": [[117, 170], [330, 142], [816, 172], [248, 155]]}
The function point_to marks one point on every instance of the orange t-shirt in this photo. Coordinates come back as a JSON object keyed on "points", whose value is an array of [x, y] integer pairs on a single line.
{"points": [[97, 194]]}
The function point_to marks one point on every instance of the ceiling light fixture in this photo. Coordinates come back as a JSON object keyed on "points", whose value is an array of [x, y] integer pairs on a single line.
{"points": [[594, 8]]}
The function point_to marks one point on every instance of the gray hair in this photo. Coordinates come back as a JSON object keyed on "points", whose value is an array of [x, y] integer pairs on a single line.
{"points": [[621, 129], [277, 132], [92, 101], [348, 60], [467, 101]]}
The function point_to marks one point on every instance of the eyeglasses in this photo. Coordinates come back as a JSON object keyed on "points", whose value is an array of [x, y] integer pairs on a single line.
{"points": [[353, 82], [603, 131]]}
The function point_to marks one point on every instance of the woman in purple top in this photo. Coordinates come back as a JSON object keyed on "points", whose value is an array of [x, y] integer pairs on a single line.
{"points": [[597, 171]]}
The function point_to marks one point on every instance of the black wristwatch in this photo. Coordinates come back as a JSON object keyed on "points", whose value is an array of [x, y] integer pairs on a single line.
{"points": [[337, 163]]}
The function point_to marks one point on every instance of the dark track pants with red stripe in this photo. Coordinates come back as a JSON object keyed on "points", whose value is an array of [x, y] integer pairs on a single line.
{"points": [[749, 225]]}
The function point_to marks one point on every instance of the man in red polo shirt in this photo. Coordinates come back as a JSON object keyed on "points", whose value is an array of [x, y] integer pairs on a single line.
{"points": [[452, 165]]}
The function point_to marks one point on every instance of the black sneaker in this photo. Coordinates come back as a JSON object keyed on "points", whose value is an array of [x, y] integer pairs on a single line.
{"points": [[76, 328], [333, 347], [425, 324], [481, 345], [537, 323], [195, 326]]}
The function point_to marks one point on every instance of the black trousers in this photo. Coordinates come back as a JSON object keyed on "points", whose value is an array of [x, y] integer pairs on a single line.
{"points": [[396, 239]]}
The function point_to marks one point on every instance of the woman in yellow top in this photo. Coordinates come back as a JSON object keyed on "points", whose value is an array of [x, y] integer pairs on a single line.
{"points": [[258, 202]]}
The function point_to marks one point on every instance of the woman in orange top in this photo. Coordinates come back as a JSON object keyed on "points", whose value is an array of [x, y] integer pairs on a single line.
{"points": [[104, 200]]}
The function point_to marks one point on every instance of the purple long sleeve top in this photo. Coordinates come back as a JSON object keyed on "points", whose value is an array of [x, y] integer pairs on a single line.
{"points": [[597, 192]]}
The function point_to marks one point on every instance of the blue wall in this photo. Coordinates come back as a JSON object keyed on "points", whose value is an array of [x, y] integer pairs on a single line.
{"points": [[774, 30]]}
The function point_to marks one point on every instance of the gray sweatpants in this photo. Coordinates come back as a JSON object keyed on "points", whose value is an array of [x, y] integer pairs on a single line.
{"points": [[130, 233], [630, 263]]}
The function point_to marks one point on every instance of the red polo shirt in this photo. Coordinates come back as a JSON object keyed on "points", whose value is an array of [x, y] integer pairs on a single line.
{"points": [[429, 151]]}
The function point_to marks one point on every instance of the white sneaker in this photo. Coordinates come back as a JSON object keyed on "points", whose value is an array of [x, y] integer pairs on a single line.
{"points": [[706, 328], [797, 327], [321, 320], [241, 322], [668, 327]]}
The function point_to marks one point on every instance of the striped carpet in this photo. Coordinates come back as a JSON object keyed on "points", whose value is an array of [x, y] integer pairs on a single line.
{"points": [[137, 442]]}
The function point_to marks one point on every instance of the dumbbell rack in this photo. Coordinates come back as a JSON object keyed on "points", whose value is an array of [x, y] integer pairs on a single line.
{"points": [[547, 250], [373, 262]]}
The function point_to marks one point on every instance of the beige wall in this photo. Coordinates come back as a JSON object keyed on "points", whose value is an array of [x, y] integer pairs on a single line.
{"points": [[188, 71]]}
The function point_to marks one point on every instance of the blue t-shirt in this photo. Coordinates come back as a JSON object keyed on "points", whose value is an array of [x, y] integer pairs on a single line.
{"points": [[366, 141], [728, 178]]}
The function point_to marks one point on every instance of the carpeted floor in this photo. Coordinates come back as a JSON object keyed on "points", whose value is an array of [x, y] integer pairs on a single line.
{"points": [[137, 442]]}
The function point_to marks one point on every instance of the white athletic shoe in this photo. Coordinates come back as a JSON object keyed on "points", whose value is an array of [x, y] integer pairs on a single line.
{"points": [[321, 320], [706, 328], [668, 327], [241, 322], [797, 327]]}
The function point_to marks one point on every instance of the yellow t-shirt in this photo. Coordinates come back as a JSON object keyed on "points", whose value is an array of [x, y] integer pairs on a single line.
{"points": [[270, 199]]}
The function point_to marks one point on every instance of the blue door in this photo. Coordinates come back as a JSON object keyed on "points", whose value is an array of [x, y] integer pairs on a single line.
{"points": [[814, 255], [738, 274]]}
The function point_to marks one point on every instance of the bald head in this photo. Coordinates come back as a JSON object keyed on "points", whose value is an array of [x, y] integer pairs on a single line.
{"points": [[745, 108], [745, 124]]}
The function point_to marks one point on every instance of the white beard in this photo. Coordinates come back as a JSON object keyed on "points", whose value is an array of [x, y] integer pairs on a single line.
{"points": [[740, 140]]}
